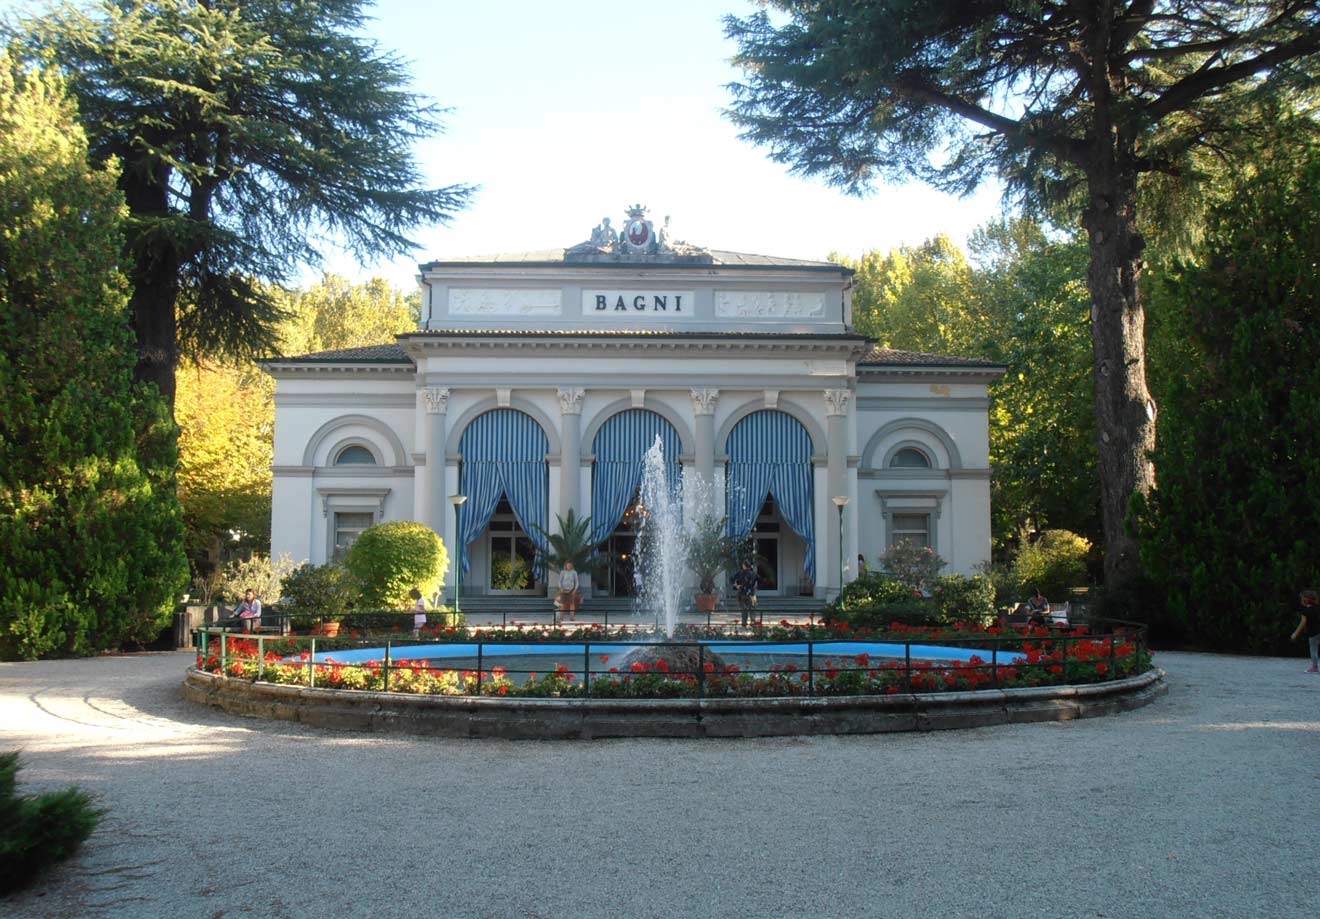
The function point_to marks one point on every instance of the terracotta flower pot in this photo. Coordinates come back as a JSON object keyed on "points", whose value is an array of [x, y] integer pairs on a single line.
{"points": [[329, 629], [706, 603]]}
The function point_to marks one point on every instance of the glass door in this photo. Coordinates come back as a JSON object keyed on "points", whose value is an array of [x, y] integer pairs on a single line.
{"points": [[765, 543], [512, 554], [621, 549]]}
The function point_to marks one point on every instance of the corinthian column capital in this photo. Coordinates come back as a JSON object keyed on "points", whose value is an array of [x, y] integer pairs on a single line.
{"points": [[836, 401], [437, 399], [570, 400], [704, 400]]}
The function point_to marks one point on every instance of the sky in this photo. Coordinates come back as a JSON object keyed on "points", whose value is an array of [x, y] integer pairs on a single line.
{"points": [[569, 111]]}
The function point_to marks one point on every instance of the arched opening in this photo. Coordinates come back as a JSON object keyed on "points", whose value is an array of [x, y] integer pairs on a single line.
{"points": [[770, 498], [506, 479], [620, 446]]}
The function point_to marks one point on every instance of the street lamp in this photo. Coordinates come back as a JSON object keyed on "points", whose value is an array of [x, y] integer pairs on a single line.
{"points": [[840, 501], [457, 501]]}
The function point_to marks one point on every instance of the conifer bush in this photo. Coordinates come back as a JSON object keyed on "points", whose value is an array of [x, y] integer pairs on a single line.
{"points": [[91, 534], [1231, 533], [390, 559], [38, 831]]}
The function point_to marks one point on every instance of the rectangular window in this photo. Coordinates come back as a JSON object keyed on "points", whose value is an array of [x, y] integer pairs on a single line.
{"points": [[348, 526], [913, 528]]}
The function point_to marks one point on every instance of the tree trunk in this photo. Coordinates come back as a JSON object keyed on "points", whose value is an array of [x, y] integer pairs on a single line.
{"points": [[154, 274], [1124, 410]]}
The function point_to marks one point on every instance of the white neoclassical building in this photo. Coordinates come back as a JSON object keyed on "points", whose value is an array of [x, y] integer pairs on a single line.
{"points": [[537, 380]]}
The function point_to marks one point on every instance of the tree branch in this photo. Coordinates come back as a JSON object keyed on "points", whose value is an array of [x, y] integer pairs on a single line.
{"points": [[1069, 150], [1188, 90]]}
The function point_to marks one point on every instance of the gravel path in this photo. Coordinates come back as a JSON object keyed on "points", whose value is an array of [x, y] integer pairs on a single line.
{"points": [[1195, 806]]}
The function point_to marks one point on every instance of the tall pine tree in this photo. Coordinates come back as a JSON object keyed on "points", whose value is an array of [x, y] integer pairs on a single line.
{"points": [[90, 531], [248, 130]]}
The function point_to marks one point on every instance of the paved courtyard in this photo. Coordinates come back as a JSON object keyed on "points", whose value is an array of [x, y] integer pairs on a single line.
{"points": [[1199, 806]]}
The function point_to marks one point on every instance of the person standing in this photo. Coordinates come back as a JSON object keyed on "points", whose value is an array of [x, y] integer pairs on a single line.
{"points": [[568, 591], [1309, 609], [419, 611], [249, 611], [744, 584]]}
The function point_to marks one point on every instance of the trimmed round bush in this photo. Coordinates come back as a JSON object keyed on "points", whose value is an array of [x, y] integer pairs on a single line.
{"points": [[390, 559]]}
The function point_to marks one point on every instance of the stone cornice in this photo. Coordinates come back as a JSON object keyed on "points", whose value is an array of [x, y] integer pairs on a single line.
{"points": [[287, 369], [930, 374], [421, 345]]}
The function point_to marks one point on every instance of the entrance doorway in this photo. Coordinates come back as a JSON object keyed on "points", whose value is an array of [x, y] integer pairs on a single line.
{"points": [[620, 548], [512, 554], [766, 546]]}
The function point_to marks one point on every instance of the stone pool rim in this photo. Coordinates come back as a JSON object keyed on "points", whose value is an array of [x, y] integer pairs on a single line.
{"points": [[522, 718]]}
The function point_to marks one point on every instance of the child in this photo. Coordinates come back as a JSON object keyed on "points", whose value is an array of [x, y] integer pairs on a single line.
{"points": [[1309, 608], [419, 611]]}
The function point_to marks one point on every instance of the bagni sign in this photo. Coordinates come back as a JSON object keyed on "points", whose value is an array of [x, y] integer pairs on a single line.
{"points": [[652, 303]]}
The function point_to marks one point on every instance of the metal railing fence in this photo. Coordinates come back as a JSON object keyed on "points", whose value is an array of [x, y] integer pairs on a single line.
{"points": [[1046, 659]]}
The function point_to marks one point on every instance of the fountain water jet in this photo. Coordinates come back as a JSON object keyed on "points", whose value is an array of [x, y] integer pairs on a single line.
{"points": [[661, 553]]}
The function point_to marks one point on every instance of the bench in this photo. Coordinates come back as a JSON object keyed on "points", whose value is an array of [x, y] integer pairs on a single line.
{"points": [[1057, 617]]}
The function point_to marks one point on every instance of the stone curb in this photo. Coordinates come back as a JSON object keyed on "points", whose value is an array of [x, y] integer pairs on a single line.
{"points": [[586, 719]]}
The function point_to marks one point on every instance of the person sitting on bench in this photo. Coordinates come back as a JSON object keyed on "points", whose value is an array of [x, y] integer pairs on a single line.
{"points": [[249, 611]]}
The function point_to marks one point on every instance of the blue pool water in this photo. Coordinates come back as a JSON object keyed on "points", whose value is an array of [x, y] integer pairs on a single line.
{"points": [[492, 653]]}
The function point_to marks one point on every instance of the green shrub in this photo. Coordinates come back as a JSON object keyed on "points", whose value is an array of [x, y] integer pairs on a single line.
{"points": [[911, 565], [263, 575], [91, 532], [390, 559], [970, 599], [318, 590], [37, 831], [1054, 564]]}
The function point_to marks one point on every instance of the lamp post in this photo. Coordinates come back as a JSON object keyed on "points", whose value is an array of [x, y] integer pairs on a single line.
{"points": [[840, 501], [457, 501]]}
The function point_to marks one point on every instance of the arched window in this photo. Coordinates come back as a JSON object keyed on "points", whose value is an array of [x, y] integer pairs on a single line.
{"points": [[909, 458], [355, 455]]}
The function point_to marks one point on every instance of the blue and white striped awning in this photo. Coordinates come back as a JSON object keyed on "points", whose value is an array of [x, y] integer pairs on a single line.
{"points": [[770, 453], [620, 447], [504, 453]]}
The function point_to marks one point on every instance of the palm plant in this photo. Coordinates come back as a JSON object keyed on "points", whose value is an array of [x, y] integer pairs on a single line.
{"points": [[710, 551], [573, 544]]}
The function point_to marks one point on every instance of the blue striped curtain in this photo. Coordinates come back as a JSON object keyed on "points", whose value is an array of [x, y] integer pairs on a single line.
{"points": [[770, 454], [504, 454], [620, 447]]}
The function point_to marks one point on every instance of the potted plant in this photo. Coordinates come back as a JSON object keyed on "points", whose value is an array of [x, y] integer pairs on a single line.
{"points": [[573, 544], [322, 592], [710, 553]]}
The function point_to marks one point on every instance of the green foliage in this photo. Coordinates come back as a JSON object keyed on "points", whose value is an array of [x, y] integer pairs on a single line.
{"points": [[873, 601], [510, 573], [336, 313], [319, 590], [258, 573], [913, 566], [390, 559], [1030, 282], [1053, 563], [1230, 533], [38, 831], [1075, 106], [246, 131], [572, 543], [969, 599], [90, 532], [711, 551]]}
